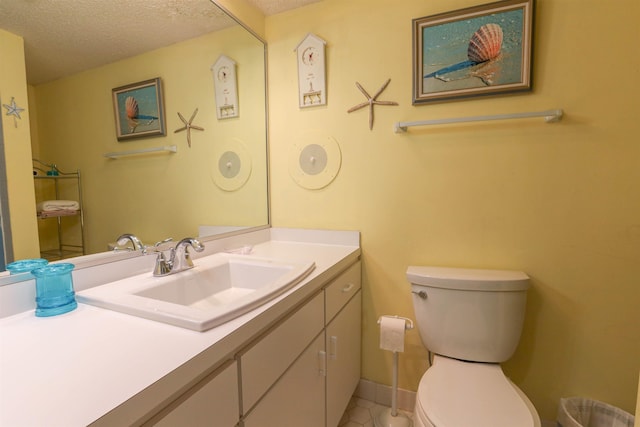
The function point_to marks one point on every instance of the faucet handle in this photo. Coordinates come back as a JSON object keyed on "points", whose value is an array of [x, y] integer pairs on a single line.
{"points": [[162, 242], [191, 241], [181, 260], [162, 267], [125, 238]]}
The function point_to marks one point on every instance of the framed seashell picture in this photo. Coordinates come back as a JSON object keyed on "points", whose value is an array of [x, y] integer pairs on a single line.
{"points": [[139, 110], [477, 51]]}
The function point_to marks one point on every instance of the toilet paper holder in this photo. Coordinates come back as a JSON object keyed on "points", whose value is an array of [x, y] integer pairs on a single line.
{"points": [[408, 323], [390, 417]]}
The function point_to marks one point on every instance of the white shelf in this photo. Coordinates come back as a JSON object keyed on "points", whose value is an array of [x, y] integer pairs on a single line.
{"points": [[63, 249]]}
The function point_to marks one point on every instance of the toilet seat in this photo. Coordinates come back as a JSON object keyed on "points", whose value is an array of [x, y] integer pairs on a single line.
{"points": [[453, 393]]}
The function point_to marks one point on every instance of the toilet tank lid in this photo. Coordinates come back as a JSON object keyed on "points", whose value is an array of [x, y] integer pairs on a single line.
{"points": [[468, 279]]}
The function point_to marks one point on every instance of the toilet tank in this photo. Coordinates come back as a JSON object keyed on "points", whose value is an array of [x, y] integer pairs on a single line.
{"points": [[473, 315]]}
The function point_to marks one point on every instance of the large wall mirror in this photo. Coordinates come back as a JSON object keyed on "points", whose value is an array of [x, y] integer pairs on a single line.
{"points": [[214, 182]]}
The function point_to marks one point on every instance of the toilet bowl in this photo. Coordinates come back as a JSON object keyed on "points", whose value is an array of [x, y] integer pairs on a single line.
{"points": [[471, 320], [455, 393]]}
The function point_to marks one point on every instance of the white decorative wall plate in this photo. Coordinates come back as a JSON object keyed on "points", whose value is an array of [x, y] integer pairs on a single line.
{"points": [[315, 161], [232, 165], [224, 82]]}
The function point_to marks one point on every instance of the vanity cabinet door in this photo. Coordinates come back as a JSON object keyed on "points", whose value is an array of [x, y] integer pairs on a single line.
{"points": [[267, 359], [297, 398], [211, 402], [343, 358]]}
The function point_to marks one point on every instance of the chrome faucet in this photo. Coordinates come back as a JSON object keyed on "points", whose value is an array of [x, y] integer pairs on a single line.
{"points": [[125, 238], [179, 258]]}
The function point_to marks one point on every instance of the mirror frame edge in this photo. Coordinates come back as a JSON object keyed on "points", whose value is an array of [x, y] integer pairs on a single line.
{"points": [[222, 4], [5, 218]]}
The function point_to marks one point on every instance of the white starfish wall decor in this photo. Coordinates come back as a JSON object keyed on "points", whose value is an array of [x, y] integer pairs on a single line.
{"points": [[371, 101], [188, 126], [13, 110]]}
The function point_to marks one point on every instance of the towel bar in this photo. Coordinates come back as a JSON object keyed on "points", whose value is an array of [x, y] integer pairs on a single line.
{"points": [[117, 154], [550, 116]]}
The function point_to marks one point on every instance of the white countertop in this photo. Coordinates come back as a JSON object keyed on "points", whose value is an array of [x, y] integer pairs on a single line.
{"points": [[77, 367]]}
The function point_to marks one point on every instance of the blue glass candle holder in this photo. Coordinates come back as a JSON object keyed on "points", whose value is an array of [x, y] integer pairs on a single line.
{"points": [[26, 265], [54, 289]]}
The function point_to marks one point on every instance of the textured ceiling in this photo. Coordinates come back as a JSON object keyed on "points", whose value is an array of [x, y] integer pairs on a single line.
{"points": [[63, 37]]}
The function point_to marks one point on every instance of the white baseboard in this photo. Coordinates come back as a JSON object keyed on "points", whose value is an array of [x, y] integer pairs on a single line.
{"points": [[381, 394]]}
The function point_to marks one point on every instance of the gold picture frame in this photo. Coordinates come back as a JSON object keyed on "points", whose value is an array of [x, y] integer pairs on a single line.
{"points": [[139, 110], [477, 51]]}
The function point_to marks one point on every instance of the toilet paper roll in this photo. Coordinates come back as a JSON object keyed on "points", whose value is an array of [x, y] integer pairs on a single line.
{"points": [[392, 334]]}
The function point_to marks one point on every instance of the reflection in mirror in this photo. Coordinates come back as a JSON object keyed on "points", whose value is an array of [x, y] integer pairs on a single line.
{"points": [[5, 235], [218, 183]]}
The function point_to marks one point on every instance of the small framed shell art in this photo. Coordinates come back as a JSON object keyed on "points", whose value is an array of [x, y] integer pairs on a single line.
{"points": [[481, 50], [139, 110]]}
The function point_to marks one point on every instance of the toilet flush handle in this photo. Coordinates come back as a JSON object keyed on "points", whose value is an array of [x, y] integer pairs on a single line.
{"points": [[421, 294]]}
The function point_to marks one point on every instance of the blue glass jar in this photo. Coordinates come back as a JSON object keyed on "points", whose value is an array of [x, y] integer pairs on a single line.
{"points": [[26, 265], [54, 289]]}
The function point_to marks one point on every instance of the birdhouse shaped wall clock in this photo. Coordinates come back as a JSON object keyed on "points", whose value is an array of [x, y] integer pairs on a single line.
{"points": [[312, 88], [224, 82]]}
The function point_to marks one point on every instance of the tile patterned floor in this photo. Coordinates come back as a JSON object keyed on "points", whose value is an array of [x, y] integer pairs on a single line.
{"points": [[361, 413]]}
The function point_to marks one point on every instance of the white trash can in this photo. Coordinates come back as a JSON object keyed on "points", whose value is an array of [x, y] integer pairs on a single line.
{"points": [[581, 412]]}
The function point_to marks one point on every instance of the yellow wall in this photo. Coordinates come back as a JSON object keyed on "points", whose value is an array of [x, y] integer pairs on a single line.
{"points": [[558, 201], [17, 145], [157, 196], [637, 423], [247, 13]]}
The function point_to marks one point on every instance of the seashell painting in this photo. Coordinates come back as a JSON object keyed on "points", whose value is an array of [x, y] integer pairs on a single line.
{"points": [[480, 50], [485, 44], [132, 111], [139, 110], [131, 107]]}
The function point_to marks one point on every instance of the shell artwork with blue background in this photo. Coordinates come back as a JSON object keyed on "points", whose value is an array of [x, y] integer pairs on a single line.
{"points": [[133, 114], [485, 45], [492, 45]]}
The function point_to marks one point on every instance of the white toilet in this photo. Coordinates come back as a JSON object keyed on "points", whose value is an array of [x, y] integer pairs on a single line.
{"points": [[471, 321]]}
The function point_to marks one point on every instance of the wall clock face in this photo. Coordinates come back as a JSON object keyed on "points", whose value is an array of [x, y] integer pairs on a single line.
{"points": [[309, 56], [311, 72], [223, 74]]}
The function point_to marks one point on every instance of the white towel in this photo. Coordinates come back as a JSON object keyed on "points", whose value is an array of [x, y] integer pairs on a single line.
{"points": [[58, 205]]}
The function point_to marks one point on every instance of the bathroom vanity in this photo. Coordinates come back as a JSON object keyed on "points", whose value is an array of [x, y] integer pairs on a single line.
{"points": [[295, 358]]}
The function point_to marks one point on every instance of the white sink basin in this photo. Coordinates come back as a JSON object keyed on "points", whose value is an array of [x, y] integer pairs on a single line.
{"points": [[219, 288]]}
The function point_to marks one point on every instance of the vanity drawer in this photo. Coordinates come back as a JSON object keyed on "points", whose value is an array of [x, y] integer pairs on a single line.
{"points": [[340, 291], [265, 361]]}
